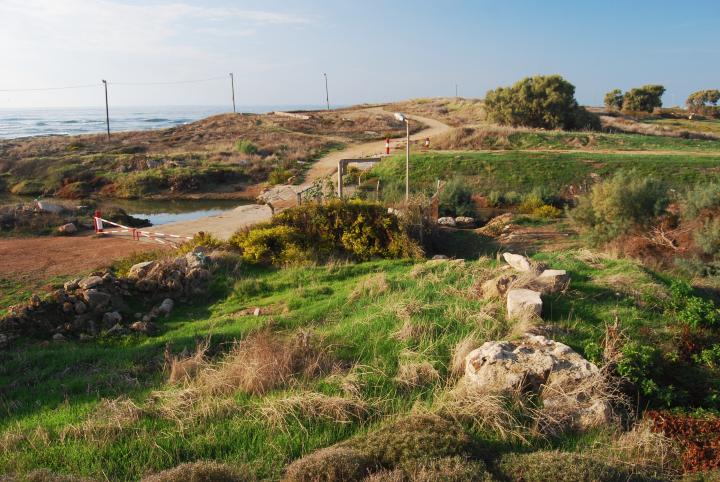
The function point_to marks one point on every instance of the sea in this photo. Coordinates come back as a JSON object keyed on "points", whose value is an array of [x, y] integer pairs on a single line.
{"points": [[71, 121]]}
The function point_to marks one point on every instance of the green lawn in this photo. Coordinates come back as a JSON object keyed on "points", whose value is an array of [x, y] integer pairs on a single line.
{"points": [[48, 394], [552, 171]]}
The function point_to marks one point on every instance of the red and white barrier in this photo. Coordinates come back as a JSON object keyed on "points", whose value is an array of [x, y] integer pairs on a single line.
{"points": [[387, 146], [162, 238]]}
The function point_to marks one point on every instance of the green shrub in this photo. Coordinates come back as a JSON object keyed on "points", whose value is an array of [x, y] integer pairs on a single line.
{"points": [[511, 198], [703, 196], [620, 204], [200, 472], [643, 99], [414, 438], [707, 238], [692, 310], [709, 356], [614, 99], [542, 101], [316, 232], [546, 212], [200, 239], [494, 199], [530, 203], [555, 466], [277, 245], [246, 147], [456, 199], [332, 464]]}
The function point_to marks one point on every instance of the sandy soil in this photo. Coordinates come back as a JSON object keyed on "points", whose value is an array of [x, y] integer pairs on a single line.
{"points": [[42, 258]]}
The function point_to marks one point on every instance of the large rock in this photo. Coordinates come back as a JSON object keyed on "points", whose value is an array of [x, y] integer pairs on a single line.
{"points": [[570, 387], [165, 307], [111, 318], [518, 261], [446, 221], [523, 304], [140, 269], [90, 282], [96, 299], [553, 280]]}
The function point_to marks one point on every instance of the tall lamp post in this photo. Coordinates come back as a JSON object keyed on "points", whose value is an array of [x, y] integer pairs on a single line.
{"points": [[403, 118]]}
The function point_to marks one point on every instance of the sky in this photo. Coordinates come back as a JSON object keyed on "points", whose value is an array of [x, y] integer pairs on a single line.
{"points": [[372, 51]]}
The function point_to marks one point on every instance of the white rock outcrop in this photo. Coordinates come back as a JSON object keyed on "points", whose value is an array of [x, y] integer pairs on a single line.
{"points": [[446, 221], [523, 304]]}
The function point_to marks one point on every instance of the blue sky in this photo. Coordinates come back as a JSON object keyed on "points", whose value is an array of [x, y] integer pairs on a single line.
{"points": [[372, 51]]}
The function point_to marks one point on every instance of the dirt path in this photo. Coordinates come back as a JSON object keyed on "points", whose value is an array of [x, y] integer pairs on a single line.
{"points": [[225, 224], [42, 258]]}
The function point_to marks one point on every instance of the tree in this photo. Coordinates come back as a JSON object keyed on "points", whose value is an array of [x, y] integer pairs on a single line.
{"points": [[704, 102], [614, 99], [542, 101], [643, 99]]}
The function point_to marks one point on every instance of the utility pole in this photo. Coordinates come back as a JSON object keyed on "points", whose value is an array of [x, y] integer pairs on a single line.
{"points": [[456, 91], [232, 86], [107, 111], [327, 95]]}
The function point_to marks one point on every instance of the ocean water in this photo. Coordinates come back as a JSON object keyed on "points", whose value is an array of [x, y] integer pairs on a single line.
{"points": [[69, 121]]}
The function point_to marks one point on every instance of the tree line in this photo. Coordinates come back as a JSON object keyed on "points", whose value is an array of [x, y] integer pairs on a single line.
{"points": [[548, 102]]}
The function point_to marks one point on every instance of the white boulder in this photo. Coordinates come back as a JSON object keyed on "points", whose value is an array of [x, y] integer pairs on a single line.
{"points": [[518, 261], [446, 221], [68, 228], [523, 304]]}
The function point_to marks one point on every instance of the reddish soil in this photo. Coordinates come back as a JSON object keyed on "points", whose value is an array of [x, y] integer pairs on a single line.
{"points": [[42, 258]]}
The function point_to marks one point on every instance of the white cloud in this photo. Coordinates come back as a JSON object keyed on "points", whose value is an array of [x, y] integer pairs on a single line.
{"points": [[32, 26]]}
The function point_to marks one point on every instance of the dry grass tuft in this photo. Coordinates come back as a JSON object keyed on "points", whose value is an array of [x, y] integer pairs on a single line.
{"points": [[410, 331], [312, 406], [201, 471], [183, 369], [331, 464], [395, 475], [371, 287], [460, 352], [106, 421], [494, 413], [414, 374]]}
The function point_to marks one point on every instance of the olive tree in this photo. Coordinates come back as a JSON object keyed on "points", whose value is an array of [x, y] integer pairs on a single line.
{"points": [[542, 101], [643, 99], [704, 102], [614, 99]]}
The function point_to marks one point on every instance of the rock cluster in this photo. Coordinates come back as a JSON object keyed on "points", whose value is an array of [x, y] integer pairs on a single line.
{"points": [[98, 303], [460, 221], [523, 287]]}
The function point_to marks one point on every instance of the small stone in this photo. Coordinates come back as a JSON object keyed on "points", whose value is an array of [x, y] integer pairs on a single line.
{"points": [[80, 307], [144, 327], [111, 318], [71, 285], [117, 330], [58, 337], [166, 307], [68, 228], [90, 282], [518, 261], [85, 337], [523, 304], [553, 280], [439, 257], [256, 312], [446, 221]]}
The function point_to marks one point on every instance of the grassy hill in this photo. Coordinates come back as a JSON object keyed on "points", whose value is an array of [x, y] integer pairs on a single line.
{"points": [[367, 343]]}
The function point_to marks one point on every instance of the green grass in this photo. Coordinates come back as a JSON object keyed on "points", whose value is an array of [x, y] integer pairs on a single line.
{"points": [[523, 171], [12, 292], [46, 389], [620, 142]]}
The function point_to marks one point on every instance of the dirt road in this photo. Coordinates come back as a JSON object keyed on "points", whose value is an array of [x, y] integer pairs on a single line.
{"points": [[225, 224]]}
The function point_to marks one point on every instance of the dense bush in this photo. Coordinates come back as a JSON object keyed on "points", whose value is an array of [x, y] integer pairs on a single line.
{"points": [[246, 147], [332, 464], [316, 232], [704, 102], [619, 204], [456, 199], [643, 99], [546, 102]]}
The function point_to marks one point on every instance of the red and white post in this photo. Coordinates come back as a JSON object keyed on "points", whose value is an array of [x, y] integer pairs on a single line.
{"points": [[387, 146], [98, 223]]}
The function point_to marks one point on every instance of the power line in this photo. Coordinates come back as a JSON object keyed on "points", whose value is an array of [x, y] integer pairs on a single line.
{"points": [[168, 82], [50, 88]]}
